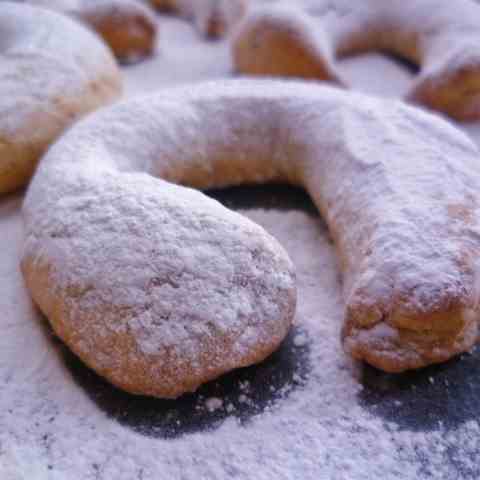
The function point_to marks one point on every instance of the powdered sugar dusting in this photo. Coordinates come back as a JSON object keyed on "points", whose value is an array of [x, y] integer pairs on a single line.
{"points": [[400, 205], [183, 278], [57, 48], [320, 429], [51, 429]]}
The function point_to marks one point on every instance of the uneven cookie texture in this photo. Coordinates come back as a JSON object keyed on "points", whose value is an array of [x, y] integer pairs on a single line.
{"points": [[303, 40], [52, 72], [156, 287], [159, 288], [128, 27]]}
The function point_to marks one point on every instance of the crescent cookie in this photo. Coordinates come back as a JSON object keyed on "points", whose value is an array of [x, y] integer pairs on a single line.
{"points": [[305, 41], [129, 27], [160, 288], [52, 72], [213, 18]]}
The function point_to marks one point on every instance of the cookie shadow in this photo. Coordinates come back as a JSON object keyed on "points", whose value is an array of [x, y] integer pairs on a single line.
{"points": [[11, 203], [440, 397], [241, 394], [270, 196]]}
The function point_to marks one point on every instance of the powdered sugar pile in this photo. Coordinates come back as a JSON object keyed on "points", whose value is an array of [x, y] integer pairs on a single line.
{"points": [[50, 429], [337, 425]]}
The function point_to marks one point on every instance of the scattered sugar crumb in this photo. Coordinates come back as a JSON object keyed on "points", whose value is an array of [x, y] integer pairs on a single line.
{"points": [[243, 398], [244, 386], [213, 403], [300, 340]]}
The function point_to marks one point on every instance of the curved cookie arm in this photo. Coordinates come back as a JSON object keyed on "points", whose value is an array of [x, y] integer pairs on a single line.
{"points": [[450, 82], [283, 41], [128, 27], [399, 198], [159, 288], [440, 40], [52, 72]]}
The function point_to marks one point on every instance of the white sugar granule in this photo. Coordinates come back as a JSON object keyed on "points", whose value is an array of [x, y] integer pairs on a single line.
{"points": [[213, 403], [300, 340]]}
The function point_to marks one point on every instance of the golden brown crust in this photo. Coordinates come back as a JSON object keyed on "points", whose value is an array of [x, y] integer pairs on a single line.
{"points": [[457, 94], [165, 375], [407, 343], [165, 5], [130, 35], [268, 48]]}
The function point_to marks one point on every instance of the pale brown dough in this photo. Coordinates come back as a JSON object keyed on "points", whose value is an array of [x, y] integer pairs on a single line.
{"points": [[439, 37], [53, 72], [159, 288], [128, 27], [213, 18]]}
